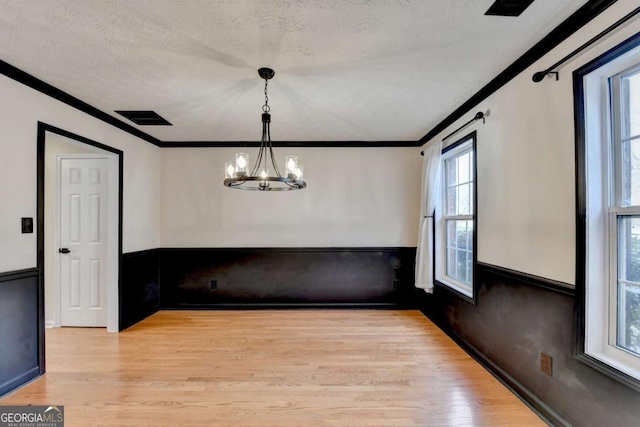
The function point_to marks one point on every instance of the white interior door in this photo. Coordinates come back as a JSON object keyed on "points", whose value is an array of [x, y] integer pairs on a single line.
{"points": [[83, 241]]}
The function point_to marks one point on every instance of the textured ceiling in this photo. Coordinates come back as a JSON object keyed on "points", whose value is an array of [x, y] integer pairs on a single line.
{"points": [[368, 70]]}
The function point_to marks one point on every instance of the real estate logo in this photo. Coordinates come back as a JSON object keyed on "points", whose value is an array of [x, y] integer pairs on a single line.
{"points": [[31, 416]]}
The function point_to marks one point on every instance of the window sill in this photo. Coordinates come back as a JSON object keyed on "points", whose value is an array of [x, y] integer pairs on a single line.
{"points": [[456, 291], [608, 370]]}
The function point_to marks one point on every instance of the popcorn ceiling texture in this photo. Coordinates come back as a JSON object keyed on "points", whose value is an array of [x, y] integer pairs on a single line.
{"points": [[345, 70]]}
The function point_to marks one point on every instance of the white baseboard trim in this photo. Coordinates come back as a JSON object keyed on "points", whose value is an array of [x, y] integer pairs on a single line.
{"points": [[49, 324]]}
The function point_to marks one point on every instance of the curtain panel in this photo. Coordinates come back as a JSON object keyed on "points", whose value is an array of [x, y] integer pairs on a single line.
{"points": [[430, 189]]}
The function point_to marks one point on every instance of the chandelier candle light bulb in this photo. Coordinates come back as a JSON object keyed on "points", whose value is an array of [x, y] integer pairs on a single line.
{"points": [[242, 160], [291, 163], [229, 170], [258, 178]]}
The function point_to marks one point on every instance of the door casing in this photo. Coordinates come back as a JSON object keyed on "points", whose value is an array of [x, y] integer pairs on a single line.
{"points": [[113, 323]]}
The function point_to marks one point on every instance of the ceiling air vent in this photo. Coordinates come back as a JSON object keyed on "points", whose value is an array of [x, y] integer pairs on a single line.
{"points": [[508, 7], [145, 118]]}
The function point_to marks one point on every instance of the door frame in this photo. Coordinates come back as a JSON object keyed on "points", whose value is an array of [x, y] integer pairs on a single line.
{"points": [[111, 285], [113, 321]]}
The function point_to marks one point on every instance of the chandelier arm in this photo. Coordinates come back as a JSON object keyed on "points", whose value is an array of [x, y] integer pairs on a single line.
{"points": [[273, 159], [256, 166], [266, 141]]}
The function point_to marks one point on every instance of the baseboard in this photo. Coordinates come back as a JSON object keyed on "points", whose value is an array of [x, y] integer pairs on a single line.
{"points": [[294, 306], [124, 327], [531, 400], [14, 383], [49, 324]]}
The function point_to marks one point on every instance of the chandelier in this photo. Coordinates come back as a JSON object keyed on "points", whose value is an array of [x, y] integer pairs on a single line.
{"points": [[259, 179]]}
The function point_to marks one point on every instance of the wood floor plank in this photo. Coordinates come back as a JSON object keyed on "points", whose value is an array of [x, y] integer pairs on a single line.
{"points": [[334, 368]]}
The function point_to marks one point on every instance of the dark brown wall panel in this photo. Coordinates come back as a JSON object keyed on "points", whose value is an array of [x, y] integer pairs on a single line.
{"points": [[19, 328], [139, 287], [296, 276], [512, 323]]}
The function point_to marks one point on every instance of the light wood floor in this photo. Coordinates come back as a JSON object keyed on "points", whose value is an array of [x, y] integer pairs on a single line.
{"points": [[270, 368]]}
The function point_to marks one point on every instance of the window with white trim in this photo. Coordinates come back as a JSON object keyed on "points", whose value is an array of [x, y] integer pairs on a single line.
{"points": [[611, 174], [624, 212], [455, 219]]}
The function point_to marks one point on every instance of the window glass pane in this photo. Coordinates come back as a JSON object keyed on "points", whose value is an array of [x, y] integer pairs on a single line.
{"points": [[629, 317], [630, 105], [451, 262], [471, 190], [452, 201], [461, 234], [464, 204], [463, 168], [628, 336], [461, 267], [460, 250], [451, 172], [629, 248], [631, 173], [451, 233]]}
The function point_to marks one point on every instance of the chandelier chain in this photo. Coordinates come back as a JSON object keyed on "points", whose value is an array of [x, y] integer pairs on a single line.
{"points": [[265, 107]]}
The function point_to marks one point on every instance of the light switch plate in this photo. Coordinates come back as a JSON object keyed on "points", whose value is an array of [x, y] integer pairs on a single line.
{"points": [[27, 225]]}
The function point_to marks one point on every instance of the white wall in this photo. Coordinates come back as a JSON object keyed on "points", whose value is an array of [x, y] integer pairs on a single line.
{"points": [[526, 161], [20, 110], [355, 197]]}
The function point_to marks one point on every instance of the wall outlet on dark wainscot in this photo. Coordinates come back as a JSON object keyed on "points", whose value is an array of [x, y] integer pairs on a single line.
{"points": [[396, 284], [214, 284], [546, 363]]}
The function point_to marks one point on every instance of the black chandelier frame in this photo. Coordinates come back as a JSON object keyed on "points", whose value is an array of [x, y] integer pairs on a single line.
{"points": [[254, 182]]}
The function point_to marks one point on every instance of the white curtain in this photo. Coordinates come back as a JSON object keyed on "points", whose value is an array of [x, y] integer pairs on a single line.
{"points": [[430, 189]]}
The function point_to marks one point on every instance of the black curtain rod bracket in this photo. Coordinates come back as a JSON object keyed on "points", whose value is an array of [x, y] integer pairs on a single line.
{"points": [[540, 75], [479, 115]]}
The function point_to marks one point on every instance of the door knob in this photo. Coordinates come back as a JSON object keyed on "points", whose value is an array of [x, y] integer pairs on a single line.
{"points": [[64, 250]]}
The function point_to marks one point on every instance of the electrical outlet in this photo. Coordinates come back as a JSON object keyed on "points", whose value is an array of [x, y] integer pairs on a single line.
{"points": [[396, 284], [546, 363], [214, 284]]}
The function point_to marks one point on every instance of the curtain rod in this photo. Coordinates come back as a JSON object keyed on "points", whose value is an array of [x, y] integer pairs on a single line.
{"points": [[540, 75], [479, 115]]}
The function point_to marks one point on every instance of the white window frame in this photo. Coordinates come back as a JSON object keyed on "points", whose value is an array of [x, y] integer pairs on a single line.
{"points": [[603, 209], [466, 291]]}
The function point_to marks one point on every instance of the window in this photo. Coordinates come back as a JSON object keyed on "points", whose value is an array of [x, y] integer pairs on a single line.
{"points": [[624, 209], [608, 150], [455, 219]]}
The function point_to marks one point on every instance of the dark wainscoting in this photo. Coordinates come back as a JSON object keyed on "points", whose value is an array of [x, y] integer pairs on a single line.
{"points": [[19, 329], [139, 294], [517, 318], [286, 277]]}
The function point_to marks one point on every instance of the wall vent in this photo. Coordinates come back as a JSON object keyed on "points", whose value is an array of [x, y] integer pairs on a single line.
{"points": [[145, 118], [508, 7]]}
